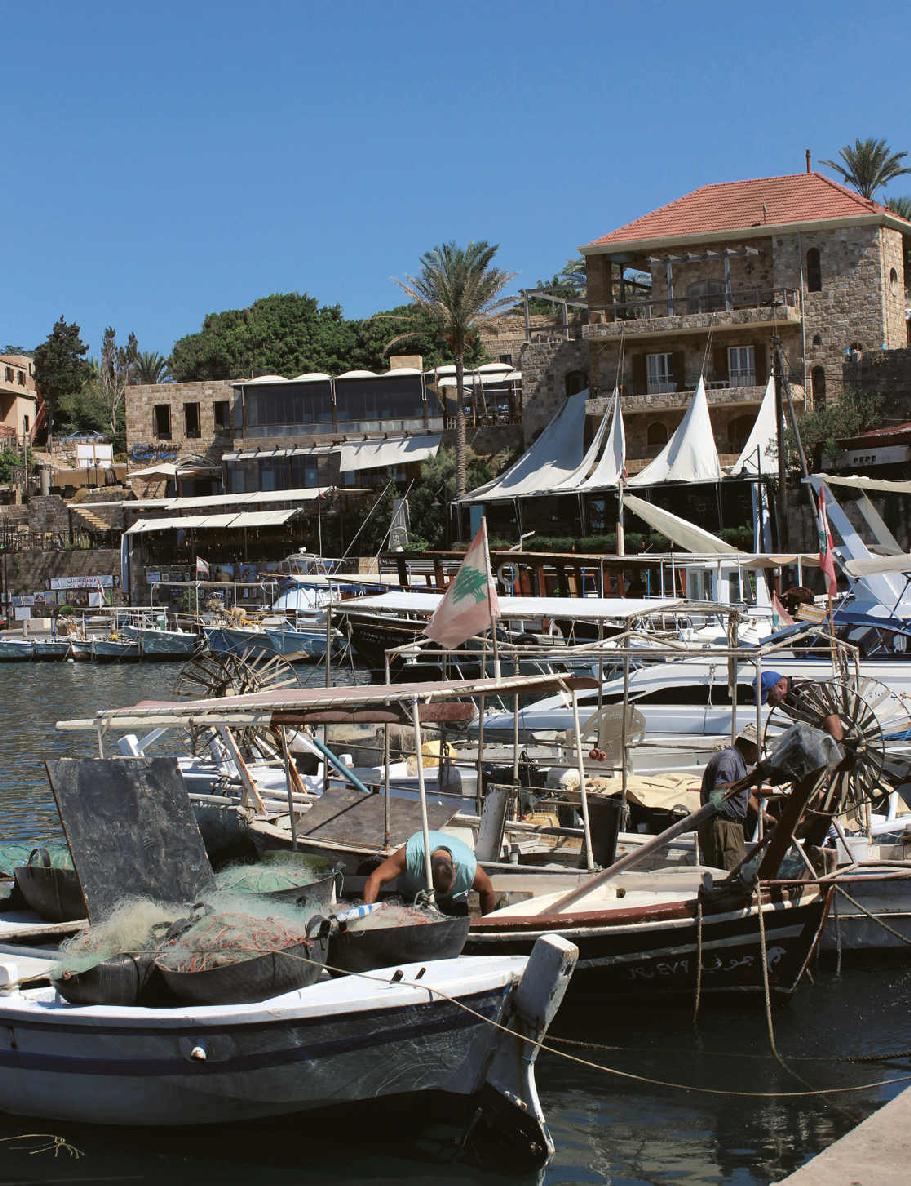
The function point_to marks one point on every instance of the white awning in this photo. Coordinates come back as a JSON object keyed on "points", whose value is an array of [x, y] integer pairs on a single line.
{"points": [[880, 485], [211, 522], [553, 457], [163, 469], [690, 455], [681, 531], [579, 608], [487, 379], [870, 566], [380, 454], [760, 453], [307, 494], [264, 518]]}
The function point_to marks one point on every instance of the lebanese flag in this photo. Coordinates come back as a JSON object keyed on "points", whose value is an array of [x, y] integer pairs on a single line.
{"points": [[826, 555], [202, 567], [784, 618], [470, 604]]}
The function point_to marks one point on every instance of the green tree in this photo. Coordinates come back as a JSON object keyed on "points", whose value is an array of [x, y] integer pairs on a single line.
{"points": [[569, 282], [61, 367], [410, 330], [10, 460], [118, 364], [432, 495], [284, 334], [458, 289], [150, 367], [900, 206], [868, 165], [823, 428]]}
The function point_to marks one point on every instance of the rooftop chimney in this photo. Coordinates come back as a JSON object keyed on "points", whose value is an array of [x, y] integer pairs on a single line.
{"points": [[809, 162]]}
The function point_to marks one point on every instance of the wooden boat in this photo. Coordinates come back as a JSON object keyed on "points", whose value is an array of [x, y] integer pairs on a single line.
{"points": [[162, 644], [645, 942], [399, 1032], [16, 649], [108, 650], [51, 648]]}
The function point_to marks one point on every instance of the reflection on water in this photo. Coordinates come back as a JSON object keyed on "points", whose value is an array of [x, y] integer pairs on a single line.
{"points": [[607, 1129]]}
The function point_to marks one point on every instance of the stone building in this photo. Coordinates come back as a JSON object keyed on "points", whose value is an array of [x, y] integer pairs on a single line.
{"points": [[18, 398], [177, 419], [731, 266]]}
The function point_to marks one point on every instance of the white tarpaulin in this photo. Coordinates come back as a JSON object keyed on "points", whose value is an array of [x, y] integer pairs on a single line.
{"points": [[760, 453], [606, 474], [681, 531], [264, 518], [208, 522], [304, 494], [578, 608], [383, 454], [553, 457], [690, 455], [877, 485], [877, 564], [164, 469]]}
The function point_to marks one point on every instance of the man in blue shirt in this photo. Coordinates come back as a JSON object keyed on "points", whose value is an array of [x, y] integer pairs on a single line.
{"points": [[453, 866], [721, 839]]}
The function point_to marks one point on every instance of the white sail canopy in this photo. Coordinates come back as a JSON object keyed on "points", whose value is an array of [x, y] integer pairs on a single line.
{"points": [[760, 452], [607, 473], [688, 535], [690, 455], [555, 456]]}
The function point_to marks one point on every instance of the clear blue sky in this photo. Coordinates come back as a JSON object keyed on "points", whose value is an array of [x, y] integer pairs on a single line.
{"points": [[166, 160]]}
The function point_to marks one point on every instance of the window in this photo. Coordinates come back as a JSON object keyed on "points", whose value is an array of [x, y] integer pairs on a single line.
{"points": [[814, 271], [575, 381], [507, 358], [221, 413], [817, 339], [818, 383], [191, 420], [656, 437], [25, 423], [705, 296], [742, 366], [659, 373], [893, 279], [739, 431], [20, 378], [9, 374], [162, 417]]}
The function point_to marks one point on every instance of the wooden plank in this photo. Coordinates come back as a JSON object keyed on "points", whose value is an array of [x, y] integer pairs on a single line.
{"points": [[131, 830], [351, 817]]}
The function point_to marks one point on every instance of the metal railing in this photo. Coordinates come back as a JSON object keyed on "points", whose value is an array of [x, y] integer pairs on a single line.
{"points": [[721, 302]]}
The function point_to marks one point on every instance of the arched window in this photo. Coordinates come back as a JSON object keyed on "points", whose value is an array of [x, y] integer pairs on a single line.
{"points": [[656, 437], [817, 339], [893, 279], [575, 381], [739, 431], [814, 271], [818, 382]]}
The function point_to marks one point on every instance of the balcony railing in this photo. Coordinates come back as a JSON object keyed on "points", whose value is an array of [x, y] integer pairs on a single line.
{"points": [[680, 306]]}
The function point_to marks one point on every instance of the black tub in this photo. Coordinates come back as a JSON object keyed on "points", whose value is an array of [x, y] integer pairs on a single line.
{"points": [[353, 950], [255, 979], [319, 888], [119, 980], [55, 894]]}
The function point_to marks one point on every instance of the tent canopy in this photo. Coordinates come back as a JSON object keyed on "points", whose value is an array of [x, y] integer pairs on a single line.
{"points": [[681, 531], [760, 453], [690, 455]]}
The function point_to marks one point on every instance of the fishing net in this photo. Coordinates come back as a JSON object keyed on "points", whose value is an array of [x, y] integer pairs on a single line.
{"points": [[134, 927], [389, 914], [230, 928], [271, 876], [15, 853]]}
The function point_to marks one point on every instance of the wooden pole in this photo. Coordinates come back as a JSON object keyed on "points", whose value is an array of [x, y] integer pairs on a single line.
{"points": [[422, 790], [286, 758]]}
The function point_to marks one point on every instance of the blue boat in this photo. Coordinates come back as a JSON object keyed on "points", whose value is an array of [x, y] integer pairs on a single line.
{"points": [[298, 645], [13, 649], [51, 648], [162, 644]]}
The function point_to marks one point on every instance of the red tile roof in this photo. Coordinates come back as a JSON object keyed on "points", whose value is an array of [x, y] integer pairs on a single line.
{"points": [[736, 205]]}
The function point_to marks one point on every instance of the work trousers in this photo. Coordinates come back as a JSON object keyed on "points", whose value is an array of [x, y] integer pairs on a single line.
{"points": [[721, 843]]}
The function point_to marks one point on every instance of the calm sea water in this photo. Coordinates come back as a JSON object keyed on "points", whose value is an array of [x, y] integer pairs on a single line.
{"points": [[607, 1129]]}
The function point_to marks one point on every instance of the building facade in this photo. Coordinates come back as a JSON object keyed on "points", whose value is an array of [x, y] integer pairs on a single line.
{"points": [[728, 269], [18, 399], [171, 420]]}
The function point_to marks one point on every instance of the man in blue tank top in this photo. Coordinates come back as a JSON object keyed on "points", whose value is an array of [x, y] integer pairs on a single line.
{"points": [[453, 866]]}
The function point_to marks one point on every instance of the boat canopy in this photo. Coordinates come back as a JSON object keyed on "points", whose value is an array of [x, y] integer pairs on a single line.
{"points": [[588, 609]]}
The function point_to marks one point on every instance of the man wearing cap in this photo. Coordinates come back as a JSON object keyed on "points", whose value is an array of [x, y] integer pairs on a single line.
{"points": [[781, 691], [453, 867], [721, 839]]}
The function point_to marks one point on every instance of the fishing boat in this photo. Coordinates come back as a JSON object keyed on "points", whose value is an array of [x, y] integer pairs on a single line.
{"points": [[158, 643], [238, 640], [401, 1031], [112, 650], [16, 649], [51, 648]]}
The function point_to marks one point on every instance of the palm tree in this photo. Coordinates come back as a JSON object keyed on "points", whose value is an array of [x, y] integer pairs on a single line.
{"points": [[150, 367], [867, 165], [901, 207], [458, 290]]}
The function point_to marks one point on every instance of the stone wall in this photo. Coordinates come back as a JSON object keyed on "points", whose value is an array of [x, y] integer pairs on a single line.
{"points": [[140, 417], [886, 373], [545, 366], [29, 572], [42, 513], [894, 279], [505, 335]]}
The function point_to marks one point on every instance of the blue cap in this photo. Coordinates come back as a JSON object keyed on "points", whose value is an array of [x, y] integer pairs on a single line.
{"points": [[767, 682]]}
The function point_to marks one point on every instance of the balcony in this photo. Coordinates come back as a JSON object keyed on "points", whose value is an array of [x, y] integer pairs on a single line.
{"points": [[720, 394], [736, 309], [341, 429]]}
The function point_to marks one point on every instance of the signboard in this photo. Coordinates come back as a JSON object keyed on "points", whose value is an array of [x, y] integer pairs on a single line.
{"points": [[97, 453], [103, 581], [153, 578]]}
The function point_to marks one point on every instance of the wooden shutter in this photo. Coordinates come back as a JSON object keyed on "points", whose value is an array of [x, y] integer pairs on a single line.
{"points": [[762, 366], [639, 375], [720, 370], [677, 365]]}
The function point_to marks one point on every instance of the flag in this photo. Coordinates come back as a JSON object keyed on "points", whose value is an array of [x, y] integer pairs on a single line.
{"points": [[780, 613], [202, 568], [826, 555], [470, 604]]}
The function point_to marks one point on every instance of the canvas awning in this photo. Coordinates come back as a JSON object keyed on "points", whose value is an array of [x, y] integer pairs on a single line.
{"points": [[606, 474], [214, 501], [760, 453], [877, 485], [385, 453], [681, 531], [870, 566], [553, 457], [690, 455], [209, 522], [163, 469]]}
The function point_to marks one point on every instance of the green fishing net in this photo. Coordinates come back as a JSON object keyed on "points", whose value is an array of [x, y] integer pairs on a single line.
{"points": [[272, 874], [15, 853]]}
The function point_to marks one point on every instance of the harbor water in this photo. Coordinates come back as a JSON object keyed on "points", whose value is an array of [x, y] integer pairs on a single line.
{"points": [[626, 1126]]}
